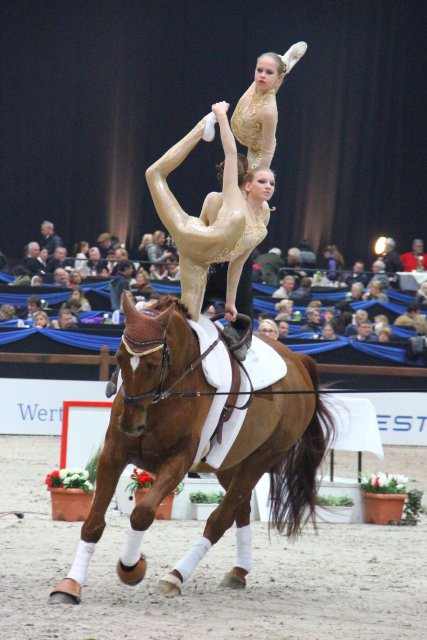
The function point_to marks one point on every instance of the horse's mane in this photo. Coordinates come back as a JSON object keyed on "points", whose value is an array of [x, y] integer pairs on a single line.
{"points": [[165, 301]]}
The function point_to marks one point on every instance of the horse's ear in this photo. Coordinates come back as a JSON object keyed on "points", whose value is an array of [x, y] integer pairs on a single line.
{"points": [[129, 305], [165, 317]]}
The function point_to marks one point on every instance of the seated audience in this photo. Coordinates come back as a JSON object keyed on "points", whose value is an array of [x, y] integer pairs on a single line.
{"points": [[379, 274], [270, 264], [61, 278], [416, 258], [146, 240], [333, 262], [269, 328], [293, 265], [408, 317], [328, 332], [384, 334], [329, 316], [59, 260], [78, 296], [283, 328], [33, 262], [364, 332], [34, 305], [140, 285], [391, 258], [303, 291], [287, 285], [7, 312], [357, 275], [66, 321], [76, 278], [156, 251], [169, 272], [307, 255], [343, 321], [421, 297], [420, 325], [361, 315], [81, 257], [375, 291], [41, 320], [21, 277], [314, 321], [120, 282], [37, 281], [105, 244], [356, 292], [96, 264]]}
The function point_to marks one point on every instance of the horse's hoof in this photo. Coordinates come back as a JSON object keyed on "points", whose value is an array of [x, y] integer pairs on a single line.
{"points": [[66, 592], [234, 579], [132, 575], [169, 585]]}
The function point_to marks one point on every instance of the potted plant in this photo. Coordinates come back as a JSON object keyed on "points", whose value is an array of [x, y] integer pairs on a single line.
{"points": [[140, 484], [383, 497], [204, 502], [334, 509], [71, 494]]}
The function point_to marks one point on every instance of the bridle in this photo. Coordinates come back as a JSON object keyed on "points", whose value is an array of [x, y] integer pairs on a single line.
{"points": [[160, 393]]}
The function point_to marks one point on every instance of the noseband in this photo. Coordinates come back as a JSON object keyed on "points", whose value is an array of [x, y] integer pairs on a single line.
{"points": [[155, 394]]}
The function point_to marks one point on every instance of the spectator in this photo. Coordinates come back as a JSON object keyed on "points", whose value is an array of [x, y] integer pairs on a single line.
{"points": [[269, 328], [270, 264], [22, 277], [313, 323], [287, 285], [61, 278], [78, 296], [140, 286], [408, 317], [357, 275], [76, 278], [34, 305], [37, 281], [364, 332], [33, 262], [146, 240], [81, 254], [303, 292], [283, 328], [420, 325], [293, 265], [168, 272], [7, 312], [343, 321], [156, 252], [49, 239], [360, 316], [375, 291], [96, 264], [120, 282], [285, 308], [380, 321], [66, 321], [41, 320], [416, 258], [307, 255], [328, 332], [59, 260], [421, 297], [384, 334], [391, 258], [105, 244], [333, 262], [378, 270]]}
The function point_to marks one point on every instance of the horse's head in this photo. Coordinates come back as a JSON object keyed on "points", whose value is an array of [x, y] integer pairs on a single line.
{"points": [[143, 357]]}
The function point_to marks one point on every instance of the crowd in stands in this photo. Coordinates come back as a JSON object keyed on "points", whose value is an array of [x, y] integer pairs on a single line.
{"points": [[292, 278]]}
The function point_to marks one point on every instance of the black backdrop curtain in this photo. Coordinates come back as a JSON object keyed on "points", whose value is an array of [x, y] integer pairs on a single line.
{"points": [[93, 91]]}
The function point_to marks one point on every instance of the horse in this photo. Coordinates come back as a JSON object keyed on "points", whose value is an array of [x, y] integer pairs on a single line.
{"points": [[283, 434]]}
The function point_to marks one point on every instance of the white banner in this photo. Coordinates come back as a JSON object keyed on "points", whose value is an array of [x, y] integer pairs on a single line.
{"points": [[34, 407], [402, 417]]}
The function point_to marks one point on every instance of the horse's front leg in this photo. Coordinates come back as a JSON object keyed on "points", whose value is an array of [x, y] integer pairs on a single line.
{"points": [[132, 565], [110, 467]]}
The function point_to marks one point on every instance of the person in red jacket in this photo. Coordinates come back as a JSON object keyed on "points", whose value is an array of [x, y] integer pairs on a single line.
{"points": [[412, 260]]}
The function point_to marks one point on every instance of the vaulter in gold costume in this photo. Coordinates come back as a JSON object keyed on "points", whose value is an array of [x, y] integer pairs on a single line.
{"points": [[254, 120], [232, 225]]}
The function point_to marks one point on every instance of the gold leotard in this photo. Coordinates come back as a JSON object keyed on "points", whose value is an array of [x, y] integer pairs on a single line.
{"points": [[247, 126]]}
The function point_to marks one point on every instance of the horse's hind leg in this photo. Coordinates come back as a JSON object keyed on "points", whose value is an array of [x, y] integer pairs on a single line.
{"points": [[68, 591]]}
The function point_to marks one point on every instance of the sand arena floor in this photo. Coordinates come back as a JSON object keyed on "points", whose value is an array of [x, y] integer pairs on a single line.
{"points": [[348, 582]]}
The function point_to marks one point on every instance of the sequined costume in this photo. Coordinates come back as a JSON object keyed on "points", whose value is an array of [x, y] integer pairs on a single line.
{"points": [[230, 237], [254, 124]]}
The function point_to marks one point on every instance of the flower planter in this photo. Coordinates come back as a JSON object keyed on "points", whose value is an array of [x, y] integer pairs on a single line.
{"points": [[202, 510], [333, 515], [164, 510], [382, 508], [71, 505]]}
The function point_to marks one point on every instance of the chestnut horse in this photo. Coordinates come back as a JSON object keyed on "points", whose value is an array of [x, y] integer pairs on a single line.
{"points": [[285, 435]]}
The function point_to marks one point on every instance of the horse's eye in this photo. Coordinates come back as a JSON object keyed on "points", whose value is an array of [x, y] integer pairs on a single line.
{"points": [[151, 366]]}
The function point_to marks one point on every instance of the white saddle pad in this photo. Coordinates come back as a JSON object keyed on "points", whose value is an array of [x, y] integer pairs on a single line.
{"points": [[264, 366]]}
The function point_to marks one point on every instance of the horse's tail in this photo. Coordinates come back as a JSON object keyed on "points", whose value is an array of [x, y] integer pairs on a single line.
{"points": [[293, 480]]}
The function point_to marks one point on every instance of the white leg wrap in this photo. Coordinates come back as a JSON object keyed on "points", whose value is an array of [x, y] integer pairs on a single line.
{"points": [[189, 562], [78, 571], [244, 548], [131, 551]]}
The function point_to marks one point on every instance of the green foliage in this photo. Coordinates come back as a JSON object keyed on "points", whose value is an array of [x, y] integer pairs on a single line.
{"points": [[206, 497], [334, 501], [413, 508]]}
